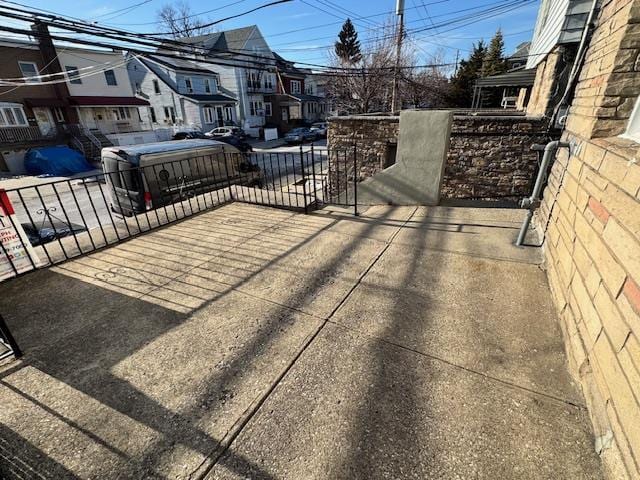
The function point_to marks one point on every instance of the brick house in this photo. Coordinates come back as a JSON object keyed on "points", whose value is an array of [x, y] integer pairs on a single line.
{"points": [[591, 218], [297, 100]]}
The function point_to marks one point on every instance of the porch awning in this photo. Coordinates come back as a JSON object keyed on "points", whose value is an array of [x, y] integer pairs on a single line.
{"points": [[518, 78], [215, 98], [107, 101], [44, 102]]}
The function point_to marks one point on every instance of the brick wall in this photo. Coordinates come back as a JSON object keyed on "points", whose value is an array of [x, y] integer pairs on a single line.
{"points": [[490, 157], [591, 210]]}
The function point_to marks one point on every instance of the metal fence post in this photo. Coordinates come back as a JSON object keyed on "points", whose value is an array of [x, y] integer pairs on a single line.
{"points": [[355, 179], [226, 169], [6, 334], [304, 181], [313, 173]]}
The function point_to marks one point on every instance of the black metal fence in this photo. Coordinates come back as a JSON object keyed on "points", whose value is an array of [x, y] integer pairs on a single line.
{"points": [[54, 221]]}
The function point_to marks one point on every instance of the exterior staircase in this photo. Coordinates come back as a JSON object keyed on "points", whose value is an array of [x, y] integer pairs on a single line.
{"points": [[89, 142]]}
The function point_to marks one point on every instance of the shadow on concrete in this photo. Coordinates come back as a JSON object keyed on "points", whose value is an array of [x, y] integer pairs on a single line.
{"points": [[81, 332]]}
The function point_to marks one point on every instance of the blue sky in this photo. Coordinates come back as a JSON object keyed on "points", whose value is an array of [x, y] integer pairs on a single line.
{"points": [[317, 22]]}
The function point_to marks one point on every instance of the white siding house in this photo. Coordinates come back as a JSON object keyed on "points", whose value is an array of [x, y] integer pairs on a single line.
{"points": [[246, 70], [559, 22], [100, 90], [180, 93]]}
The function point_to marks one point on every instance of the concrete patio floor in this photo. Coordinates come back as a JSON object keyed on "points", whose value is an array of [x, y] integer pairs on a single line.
{"points": [[250, 342]]}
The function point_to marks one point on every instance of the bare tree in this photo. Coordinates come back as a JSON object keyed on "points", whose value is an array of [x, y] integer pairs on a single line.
{"points": [[365, 86], [180, 21], [426, 87]]}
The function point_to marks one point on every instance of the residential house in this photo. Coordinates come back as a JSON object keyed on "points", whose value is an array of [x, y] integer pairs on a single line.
{"points": [[35, 108], [297, 100], [101, 94], [245, 67], [181, 93], [557, 33]]}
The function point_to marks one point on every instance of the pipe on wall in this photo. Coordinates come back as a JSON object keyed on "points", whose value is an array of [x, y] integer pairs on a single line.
{"points": [[533, 201]]}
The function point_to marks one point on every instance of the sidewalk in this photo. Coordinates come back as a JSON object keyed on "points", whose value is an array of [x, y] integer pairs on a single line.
{"points": [[250, 342]]}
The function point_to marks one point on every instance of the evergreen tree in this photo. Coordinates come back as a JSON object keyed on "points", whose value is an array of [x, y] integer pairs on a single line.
{"points": [[347, 47], [461, 93], [494, 61]]}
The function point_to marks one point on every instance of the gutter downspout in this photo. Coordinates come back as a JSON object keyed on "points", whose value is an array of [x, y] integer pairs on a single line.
{"points": [[533, 201]]}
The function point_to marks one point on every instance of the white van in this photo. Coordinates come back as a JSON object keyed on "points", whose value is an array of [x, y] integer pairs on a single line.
{"points": [[147, 176]]}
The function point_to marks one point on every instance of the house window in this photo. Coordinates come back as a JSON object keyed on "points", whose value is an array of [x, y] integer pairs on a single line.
{"points": [[12, 117], [188, 84], [255, 108], [209, 115], [228, 114], [122, 113], [633, 127], [58, 114], [156, 86], [152, 112], [308, 89], [207, 85], [110, 77], [268, 82], [170, 114], [295, 86], [267, 109], [73, 75], [30, 71]]}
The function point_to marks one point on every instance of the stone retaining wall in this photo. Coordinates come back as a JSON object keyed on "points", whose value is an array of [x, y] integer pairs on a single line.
{"points": [[490, 156]]}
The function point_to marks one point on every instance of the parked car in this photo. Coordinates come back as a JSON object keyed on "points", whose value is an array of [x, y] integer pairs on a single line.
{"points": [[320, 129], [189, 135], [239, 142], [226, 132], [299, 135], [147, 176]]}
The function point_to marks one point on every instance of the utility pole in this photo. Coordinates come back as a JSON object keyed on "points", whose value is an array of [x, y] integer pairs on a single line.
{"points": [[457, 58], [396, 73]]}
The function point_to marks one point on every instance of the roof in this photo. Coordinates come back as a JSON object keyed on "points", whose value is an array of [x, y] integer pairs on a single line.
{"points": [[209, 98], [306, 98], [44, 102], [108, 101], [518, 78], [287, 66], [133, 152], [222, 41], [521, 53], [178, 64]]}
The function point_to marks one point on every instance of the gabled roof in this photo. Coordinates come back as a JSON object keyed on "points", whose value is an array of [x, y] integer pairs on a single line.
{"points": [[222, 41], [183, 65]]}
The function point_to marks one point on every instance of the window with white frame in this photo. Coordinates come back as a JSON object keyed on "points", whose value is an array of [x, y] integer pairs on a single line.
{"points": [[255, 108], [110, 77], [228, 114], [58, 114], [170, 114], [156, 86], [188, 85], [207, 85], [73, 75], [295, 86], [268, 81], [12, 115], [633, 127], [122, 113], [209, 115], [308, 88], [267, 109], [29, 71]]}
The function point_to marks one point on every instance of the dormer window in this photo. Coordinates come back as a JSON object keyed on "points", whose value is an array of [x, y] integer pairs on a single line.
{"points": [[188, 84], [207, 85]]}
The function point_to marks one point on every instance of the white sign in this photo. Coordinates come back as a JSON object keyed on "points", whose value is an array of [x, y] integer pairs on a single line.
{"points": [[14, 257], [15, 251]]}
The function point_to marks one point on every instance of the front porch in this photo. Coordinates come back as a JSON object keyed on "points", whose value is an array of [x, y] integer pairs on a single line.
{"points": [[250, 342]]}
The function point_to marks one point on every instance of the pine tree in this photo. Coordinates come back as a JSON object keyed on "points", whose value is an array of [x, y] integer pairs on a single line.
{"points": [[347, 47], [494, 61], [462, 82]]}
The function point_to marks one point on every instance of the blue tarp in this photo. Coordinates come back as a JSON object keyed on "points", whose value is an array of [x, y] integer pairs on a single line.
{"points": [[57, 161]]}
